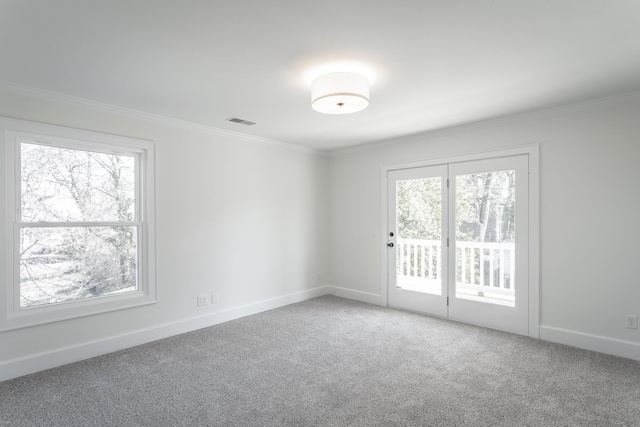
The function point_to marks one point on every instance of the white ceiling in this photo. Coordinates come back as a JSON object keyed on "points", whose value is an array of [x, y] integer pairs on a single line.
{"points": [[435, 63]]}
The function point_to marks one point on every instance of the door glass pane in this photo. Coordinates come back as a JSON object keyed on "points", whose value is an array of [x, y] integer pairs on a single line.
{"points": [[485, 237], [419, 239]]}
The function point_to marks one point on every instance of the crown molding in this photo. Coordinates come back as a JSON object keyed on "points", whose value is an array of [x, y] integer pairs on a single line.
{"points": [[551, 111], [48, 95]]}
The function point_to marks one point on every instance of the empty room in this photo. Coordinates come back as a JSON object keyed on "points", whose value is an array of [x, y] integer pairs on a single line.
{"points": [[337, 213]]}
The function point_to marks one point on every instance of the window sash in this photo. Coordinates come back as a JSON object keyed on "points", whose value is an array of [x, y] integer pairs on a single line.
{"points": [[136, 154], [40, 281]]}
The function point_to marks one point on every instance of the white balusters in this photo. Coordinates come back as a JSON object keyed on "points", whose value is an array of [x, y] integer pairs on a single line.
{"points": [[422, 259]]}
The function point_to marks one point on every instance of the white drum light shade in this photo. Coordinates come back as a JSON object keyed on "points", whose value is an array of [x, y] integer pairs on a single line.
{"points": [[340, 93]]}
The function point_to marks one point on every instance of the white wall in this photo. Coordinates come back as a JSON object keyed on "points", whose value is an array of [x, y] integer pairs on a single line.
{"points": [[255, 223], [242, 219], [589, 207]]}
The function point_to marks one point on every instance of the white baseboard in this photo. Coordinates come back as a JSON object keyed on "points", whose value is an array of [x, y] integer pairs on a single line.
{"points": [[613, 346], [356, 295], [51, 359]]}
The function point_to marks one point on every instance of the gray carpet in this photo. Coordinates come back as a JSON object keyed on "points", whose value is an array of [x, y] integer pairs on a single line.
{"points": [[333, 362]]}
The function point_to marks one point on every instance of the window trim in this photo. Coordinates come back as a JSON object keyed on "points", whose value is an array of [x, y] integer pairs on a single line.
{"points": [[17, 131]]}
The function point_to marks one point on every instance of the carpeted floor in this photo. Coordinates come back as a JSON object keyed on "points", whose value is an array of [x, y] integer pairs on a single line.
{"points": [[333, 362]]}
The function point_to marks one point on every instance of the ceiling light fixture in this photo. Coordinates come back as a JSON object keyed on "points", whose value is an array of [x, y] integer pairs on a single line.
{"points": [[340, 93]]}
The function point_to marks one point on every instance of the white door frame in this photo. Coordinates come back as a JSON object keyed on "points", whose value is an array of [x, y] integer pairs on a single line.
{"points": [[532, 151]]}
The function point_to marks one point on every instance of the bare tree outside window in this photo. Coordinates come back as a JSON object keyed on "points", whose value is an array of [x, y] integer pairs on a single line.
{"points": [[78, 235], [485, 207]]}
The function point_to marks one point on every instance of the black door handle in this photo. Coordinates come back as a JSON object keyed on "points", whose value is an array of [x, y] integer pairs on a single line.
{"points": [[390, 244]]}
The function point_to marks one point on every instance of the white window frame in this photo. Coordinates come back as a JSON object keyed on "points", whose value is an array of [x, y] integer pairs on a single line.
{"points": [[15, 132]]}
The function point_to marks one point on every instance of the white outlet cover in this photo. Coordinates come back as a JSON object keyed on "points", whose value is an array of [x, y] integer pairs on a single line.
{"points": [[632, 321], [202, 300]]}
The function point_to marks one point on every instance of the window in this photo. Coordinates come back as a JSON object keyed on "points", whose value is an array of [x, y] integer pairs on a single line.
{"points": [[80, 223]]}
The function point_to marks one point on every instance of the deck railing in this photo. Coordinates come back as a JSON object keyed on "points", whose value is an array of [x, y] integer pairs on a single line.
{"points": [[481, 267]]}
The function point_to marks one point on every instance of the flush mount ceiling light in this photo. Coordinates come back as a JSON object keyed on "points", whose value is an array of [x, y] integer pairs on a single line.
{"points": [[340, 93]]}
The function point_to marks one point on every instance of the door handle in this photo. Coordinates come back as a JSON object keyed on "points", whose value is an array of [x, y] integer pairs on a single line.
{"points": [[390, 244]]}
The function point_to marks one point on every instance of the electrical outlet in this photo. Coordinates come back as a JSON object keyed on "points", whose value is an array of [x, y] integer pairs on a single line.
{"points": [[632, 321], [214, 298], [202, 300], [319, 276]]}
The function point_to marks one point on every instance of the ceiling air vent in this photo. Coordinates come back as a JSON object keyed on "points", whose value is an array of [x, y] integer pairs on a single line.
{"points": [[242, 122]]}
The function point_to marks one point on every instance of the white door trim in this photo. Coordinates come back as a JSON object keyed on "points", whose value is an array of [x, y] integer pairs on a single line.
{"points": [[532, 151]]}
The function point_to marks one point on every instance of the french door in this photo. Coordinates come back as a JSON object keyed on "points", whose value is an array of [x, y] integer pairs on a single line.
{"points": [[417, 239], [457, 240]]}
